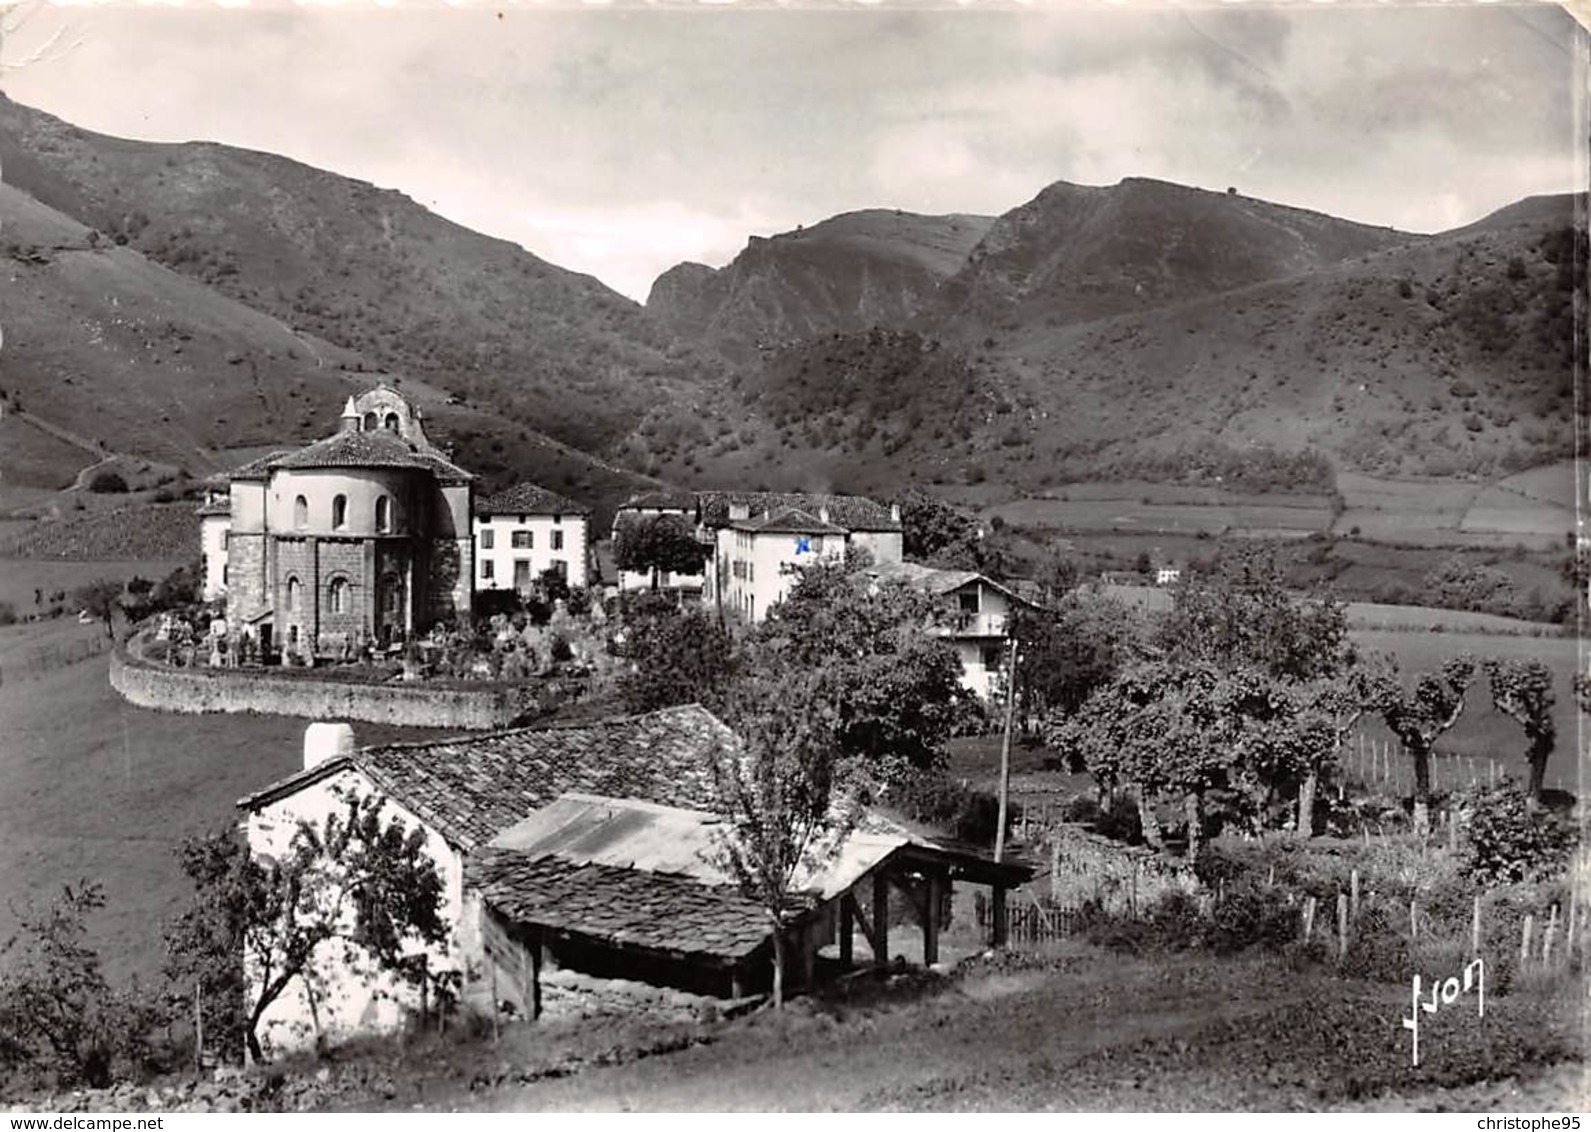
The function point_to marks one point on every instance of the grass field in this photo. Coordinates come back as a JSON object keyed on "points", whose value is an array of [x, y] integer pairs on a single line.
{"points": [[91, 786], [20, 577]]}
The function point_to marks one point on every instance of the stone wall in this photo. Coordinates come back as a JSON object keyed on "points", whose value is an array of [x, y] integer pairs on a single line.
{"points": [[197, 691], [1124, 879]]}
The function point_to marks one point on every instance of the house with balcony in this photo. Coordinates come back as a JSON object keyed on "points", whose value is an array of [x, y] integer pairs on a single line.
{"points": [[974, 615], [525, 531]]}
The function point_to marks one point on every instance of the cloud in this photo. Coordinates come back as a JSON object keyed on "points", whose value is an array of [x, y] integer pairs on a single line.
{"points": [[619, 142]]}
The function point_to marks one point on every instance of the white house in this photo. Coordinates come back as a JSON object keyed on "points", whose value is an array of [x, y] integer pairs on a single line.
{"points": [[462, 792], [523, 532], [761, 538], [975, 618], [215, 518]]}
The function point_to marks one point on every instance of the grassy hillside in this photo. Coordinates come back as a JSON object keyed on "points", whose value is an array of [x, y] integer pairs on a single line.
{"points": [[368, 270]]}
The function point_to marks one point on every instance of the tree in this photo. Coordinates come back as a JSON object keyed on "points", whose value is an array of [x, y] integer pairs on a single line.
{"points": [[1065, 653], [101, 598], [930, 526], [205, 943], [1238, 613], [677, 656], [57, 1012], [354, 880], [1522, 690], [1422, 716], [1342, 699], [783, 789], [659, 544], [1058, 575], [900, 690]]}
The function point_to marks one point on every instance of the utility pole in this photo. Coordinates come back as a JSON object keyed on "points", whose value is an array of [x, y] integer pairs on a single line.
{"points": [[1005, 751]]}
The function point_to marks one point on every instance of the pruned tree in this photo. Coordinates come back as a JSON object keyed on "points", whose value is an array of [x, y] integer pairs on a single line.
{"points": [[1067, 652], [1342, 700], [783, 789], [357, 887], [659, 544], [1522, 690], [930, 526], [1422, 715]]}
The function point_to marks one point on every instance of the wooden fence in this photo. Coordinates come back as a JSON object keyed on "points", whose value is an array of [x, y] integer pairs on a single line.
{"points": [[1029, 925]]}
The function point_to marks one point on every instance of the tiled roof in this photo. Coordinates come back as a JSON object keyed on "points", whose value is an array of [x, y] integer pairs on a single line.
{"points": [[660, 500], [853, 512], [934, 580], [629, 907], [222, 506], [375, 449], [529, 499], [790, 520], [471, 787], [257, 469]]}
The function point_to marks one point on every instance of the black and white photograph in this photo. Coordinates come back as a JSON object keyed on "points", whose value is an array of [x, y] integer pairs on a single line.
{"points": [[847, 556]]}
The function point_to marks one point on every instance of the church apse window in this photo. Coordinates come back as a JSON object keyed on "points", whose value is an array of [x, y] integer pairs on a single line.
{"points": [[293, 595], [339, 512], [300, 512], [370, 422], [391, 423], [383, 513], [338, 593]]}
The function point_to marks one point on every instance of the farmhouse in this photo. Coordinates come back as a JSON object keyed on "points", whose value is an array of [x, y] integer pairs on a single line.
{"points": [[525, 531], [974, 618], [591, 847], [462, 793], [365, 534]]}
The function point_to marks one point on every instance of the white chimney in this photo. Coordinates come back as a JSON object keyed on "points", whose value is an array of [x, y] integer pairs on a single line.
{"points": [[324, 741], [894, 511], [823, 514]]}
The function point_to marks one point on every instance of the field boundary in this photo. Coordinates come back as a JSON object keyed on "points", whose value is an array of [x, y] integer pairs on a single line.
{"points": [[196, 691]]}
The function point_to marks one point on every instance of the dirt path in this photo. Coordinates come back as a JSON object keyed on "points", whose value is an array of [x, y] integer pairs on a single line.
{"points": [[980, 1028]]}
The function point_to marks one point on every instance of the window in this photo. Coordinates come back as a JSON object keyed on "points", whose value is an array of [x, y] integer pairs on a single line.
{"points": [[557, 540], [339, 512], [370, 422], [991, 656], [488, 569], [292, 595], [524, 540], [300, 512], [383, 513], [487, 540], [560, 568], [338, 593], [391, 423], [969, 601], [223, 573]]}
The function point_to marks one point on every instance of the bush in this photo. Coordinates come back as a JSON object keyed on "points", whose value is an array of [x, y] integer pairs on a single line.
{"points": [[936, 799], [8, 613], [107, 483], [1506, 841]]}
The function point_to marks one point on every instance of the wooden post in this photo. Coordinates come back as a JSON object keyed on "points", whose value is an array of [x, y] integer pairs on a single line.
{"points": [[1005, 754], [1568, 928], [535, 979], [847, 933], [1475, 929], [1524, 940], [1547, 936], [1055, 867], [1342, 925], [997, 912], [198, 1029], [1353, 889], [931, 920], [1133, 896], [1309, 918], [1414, 919], [881, 919], [1270, 878]]}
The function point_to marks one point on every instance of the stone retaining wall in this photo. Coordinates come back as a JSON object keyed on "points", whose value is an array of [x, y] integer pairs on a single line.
{"points": [[203, 690]]}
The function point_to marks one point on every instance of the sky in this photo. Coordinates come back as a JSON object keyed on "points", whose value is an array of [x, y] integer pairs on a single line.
{"points": [[620, 141]]}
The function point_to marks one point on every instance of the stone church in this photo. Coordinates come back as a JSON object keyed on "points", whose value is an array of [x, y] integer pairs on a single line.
{"points": [[364, 535]]}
